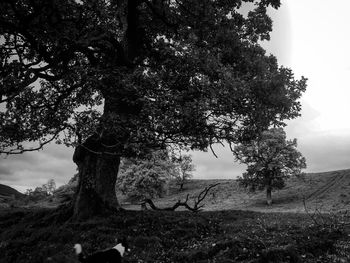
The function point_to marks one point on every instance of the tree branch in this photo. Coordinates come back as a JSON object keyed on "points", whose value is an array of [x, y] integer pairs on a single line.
{"points": [[21, 150], [197, 203], [162, 17]]}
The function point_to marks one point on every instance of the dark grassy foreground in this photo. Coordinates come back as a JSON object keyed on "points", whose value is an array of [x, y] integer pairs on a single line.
{"points": [[227, 236]]}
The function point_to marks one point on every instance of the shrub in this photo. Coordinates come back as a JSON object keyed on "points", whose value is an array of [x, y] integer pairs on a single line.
{"points": [[145, 178]]}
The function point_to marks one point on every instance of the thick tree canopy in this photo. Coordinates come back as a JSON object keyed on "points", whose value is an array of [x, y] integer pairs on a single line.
{"points": [[138, 74], [118, 77]]}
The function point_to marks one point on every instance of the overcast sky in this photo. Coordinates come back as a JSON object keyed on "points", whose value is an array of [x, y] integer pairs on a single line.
{"points": [[310, 36]]}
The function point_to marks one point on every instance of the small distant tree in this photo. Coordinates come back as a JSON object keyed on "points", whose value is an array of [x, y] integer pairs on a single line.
{"points": [[147, 177], [271, 159], [185, 167], [39, 193], [28, 191], [49, 187]]}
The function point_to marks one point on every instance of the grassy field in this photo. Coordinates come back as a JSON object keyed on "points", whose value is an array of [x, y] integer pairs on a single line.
{"points": [[217, 236], [235, 226], [327, 192]]}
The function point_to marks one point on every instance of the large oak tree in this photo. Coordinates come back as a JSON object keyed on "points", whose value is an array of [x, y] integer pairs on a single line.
{"points": [[117, 77]]}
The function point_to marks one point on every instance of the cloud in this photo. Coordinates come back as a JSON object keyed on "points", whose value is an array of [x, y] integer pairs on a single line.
{"points": [[4, 171], [305, 124], [210, 167], [280, 44], [326, 151], [33, 169]]}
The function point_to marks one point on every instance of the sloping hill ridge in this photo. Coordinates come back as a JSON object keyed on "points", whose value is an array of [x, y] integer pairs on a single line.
{"points": [[8, 191], [325, 192]]}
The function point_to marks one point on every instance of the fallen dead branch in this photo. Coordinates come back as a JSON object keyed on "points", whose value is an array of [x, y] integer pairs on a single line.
{"points": [[195, 208], [327, 219]]}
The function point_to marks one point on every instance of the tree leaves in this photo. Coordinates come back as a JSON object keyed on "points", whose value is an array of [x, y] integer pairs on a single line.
{"points": [[271, 159], [146, 177], [145, 73]]}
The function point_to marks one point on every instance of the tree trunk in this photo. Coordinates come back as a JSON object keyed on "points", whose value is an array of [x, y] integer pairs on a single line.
{"points": [[97, 178], [269, 195], [181, 186], [98, 168]]}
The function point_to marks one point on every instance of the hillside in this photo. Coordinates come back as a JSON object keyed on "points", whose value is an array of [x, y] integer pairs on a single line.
{"points": [[7, 191], [326, 192]]}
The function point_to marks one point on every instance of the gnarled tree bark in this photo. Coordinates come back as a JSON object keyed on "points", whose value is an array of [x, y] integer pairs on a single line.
{"points": [[98, 158], [98, 172]]}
